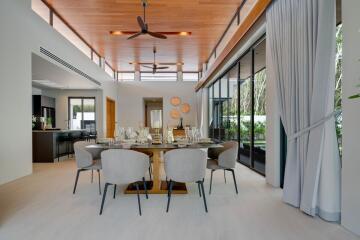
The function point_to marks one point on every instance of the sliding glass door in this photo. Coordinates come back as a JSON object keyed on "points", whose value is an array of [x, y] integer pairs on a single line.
{"points": [[259, 147], [245, 109], [82, 113], [237, 107]]}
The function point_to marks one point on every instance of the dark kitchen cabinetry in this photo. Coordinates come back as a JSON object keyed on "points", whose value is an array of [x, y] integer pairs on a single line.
{"points": [[43, 106]]}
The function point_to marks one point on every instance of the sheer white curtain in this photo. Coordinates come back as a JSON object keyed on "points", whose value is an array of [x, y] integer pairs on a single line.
{"points": [[301, 61], [201, 111]]}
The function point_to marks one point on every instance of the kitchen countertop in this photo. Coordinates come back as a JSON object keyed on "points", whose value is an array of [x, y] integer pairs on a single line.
{"points": [[60, 131]]}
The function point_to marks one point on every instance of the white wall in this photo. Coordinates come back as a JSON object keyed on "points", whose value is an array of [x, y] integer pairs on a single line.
{"points": [[15, 92], [350, 216], [131, 104], [16, 47]]}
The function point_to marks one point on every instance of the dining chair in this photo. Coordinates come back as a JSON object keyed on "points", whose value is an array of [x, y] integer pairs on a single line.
{"points": [[86, 160], [121, 166], [185, 165], [223, 159]]}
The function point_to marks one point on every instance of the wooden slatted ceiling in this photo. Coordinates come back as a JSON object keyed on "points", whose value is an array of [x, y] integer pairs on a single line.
{"points": [[206, 19]]}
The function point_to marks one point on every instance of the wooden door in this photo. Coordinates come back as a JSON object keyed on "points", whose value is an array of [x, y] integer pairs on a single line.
{"points": [[110, 117]]}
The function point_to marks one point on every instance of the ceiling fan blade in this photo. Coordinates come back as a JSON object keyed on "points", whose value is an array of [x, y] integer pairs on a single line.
{"points": [[171, 64], [147, 66], [141, 23], [141, 63], [162, 67], [157, 35], [135, 35]]}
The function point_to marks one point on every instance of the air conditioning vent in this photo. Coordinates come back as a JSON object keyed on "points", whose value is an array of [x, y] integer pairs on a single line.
{"points": [[67, 65]]}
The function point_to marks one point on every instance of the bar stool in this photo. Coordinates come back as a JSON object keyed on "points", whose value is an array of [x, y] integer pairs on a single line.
{"points": [[62, 139], [74, 137], [85, 136], [93, 134]]}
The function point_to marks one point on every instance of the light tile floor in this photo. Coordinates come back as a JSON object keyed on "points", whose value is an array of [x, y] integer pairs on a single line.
{"points": [[42, 206]]}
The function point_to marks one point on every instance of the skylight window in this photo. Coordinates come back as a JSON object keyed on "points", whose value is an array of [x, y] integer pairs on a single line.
{"points": [[126, 76], [190, 76], [159, 76]]}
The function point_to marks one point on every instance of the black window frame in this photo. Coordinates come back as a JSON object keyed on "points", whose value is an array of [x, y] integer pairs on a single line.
{"points": [[218, 138]]}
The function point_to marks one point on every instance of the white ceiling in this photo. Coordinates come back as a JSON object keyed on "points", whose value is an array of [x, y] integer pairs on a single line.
{"points": [[48, 75]]}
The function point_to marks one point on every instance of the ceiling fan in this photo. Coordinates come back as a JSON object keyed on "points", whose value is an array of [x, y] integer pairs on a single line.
{"points": [[144, 29], [154, 65]]}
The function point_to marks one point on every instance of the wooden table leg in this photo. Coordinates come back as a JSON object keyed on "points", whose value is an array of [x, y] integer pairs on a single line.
{"points": [[157, 186]]}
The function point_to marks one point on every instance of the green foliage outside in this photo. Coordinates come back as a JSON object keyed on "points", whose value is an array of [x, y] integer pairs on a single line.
{"points": [[338, 83], [245, 110]]}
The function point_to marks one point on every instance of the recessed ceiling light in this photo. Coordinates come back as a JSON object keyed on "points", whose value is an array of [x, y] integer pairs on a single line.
{"points": [[116, 33], [184, 33]]}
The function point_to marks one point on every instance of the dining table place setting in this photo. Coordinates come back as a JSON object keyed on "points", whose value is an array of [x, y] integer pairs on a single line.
{"points": [[140, 140]]}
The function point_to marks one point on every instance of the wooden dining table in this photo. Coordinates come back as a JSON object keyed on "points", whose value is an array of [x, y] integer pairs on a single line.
{"points": [[156, 185]]}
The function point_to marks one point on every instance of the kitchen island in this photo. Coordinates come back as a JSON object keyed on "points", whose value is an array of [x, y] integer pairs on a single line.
{"points": [[48, 145]]}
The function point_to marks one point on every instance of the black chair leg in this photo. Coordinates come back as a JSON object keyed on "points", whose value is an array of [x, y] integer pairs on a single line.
{"points": [[169, 194], [145, 189], [203, 193], [211, 176], [138, 196], [103, 198], [199, 189], [225, 175], [92, 175], [114, 190], [99, 181], [233, 173], [76, 180]]}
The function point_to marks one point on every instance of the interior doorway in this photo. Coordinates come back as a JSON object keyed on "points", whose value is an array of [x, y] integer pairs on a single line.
{"points": [[110, 118]]}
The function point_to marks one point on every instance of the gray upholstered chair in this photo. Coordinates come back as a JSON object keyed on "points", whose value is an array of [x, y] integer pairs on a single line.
{"points": [[223, 159], [122, 166], [86, 159], [185, 165]]}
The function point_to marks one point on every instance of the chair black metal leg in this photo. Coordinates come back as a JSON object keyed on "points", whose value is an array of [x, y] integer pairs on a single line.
{"points": [[145, 189], [203, 192], [99, 181], [233, 173], [138, 196], [199, 189], [103, 198], [168, 186], [225, 175], [92, 175], [169, 194], [76, 180], [114, 191], [212, 171]]}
